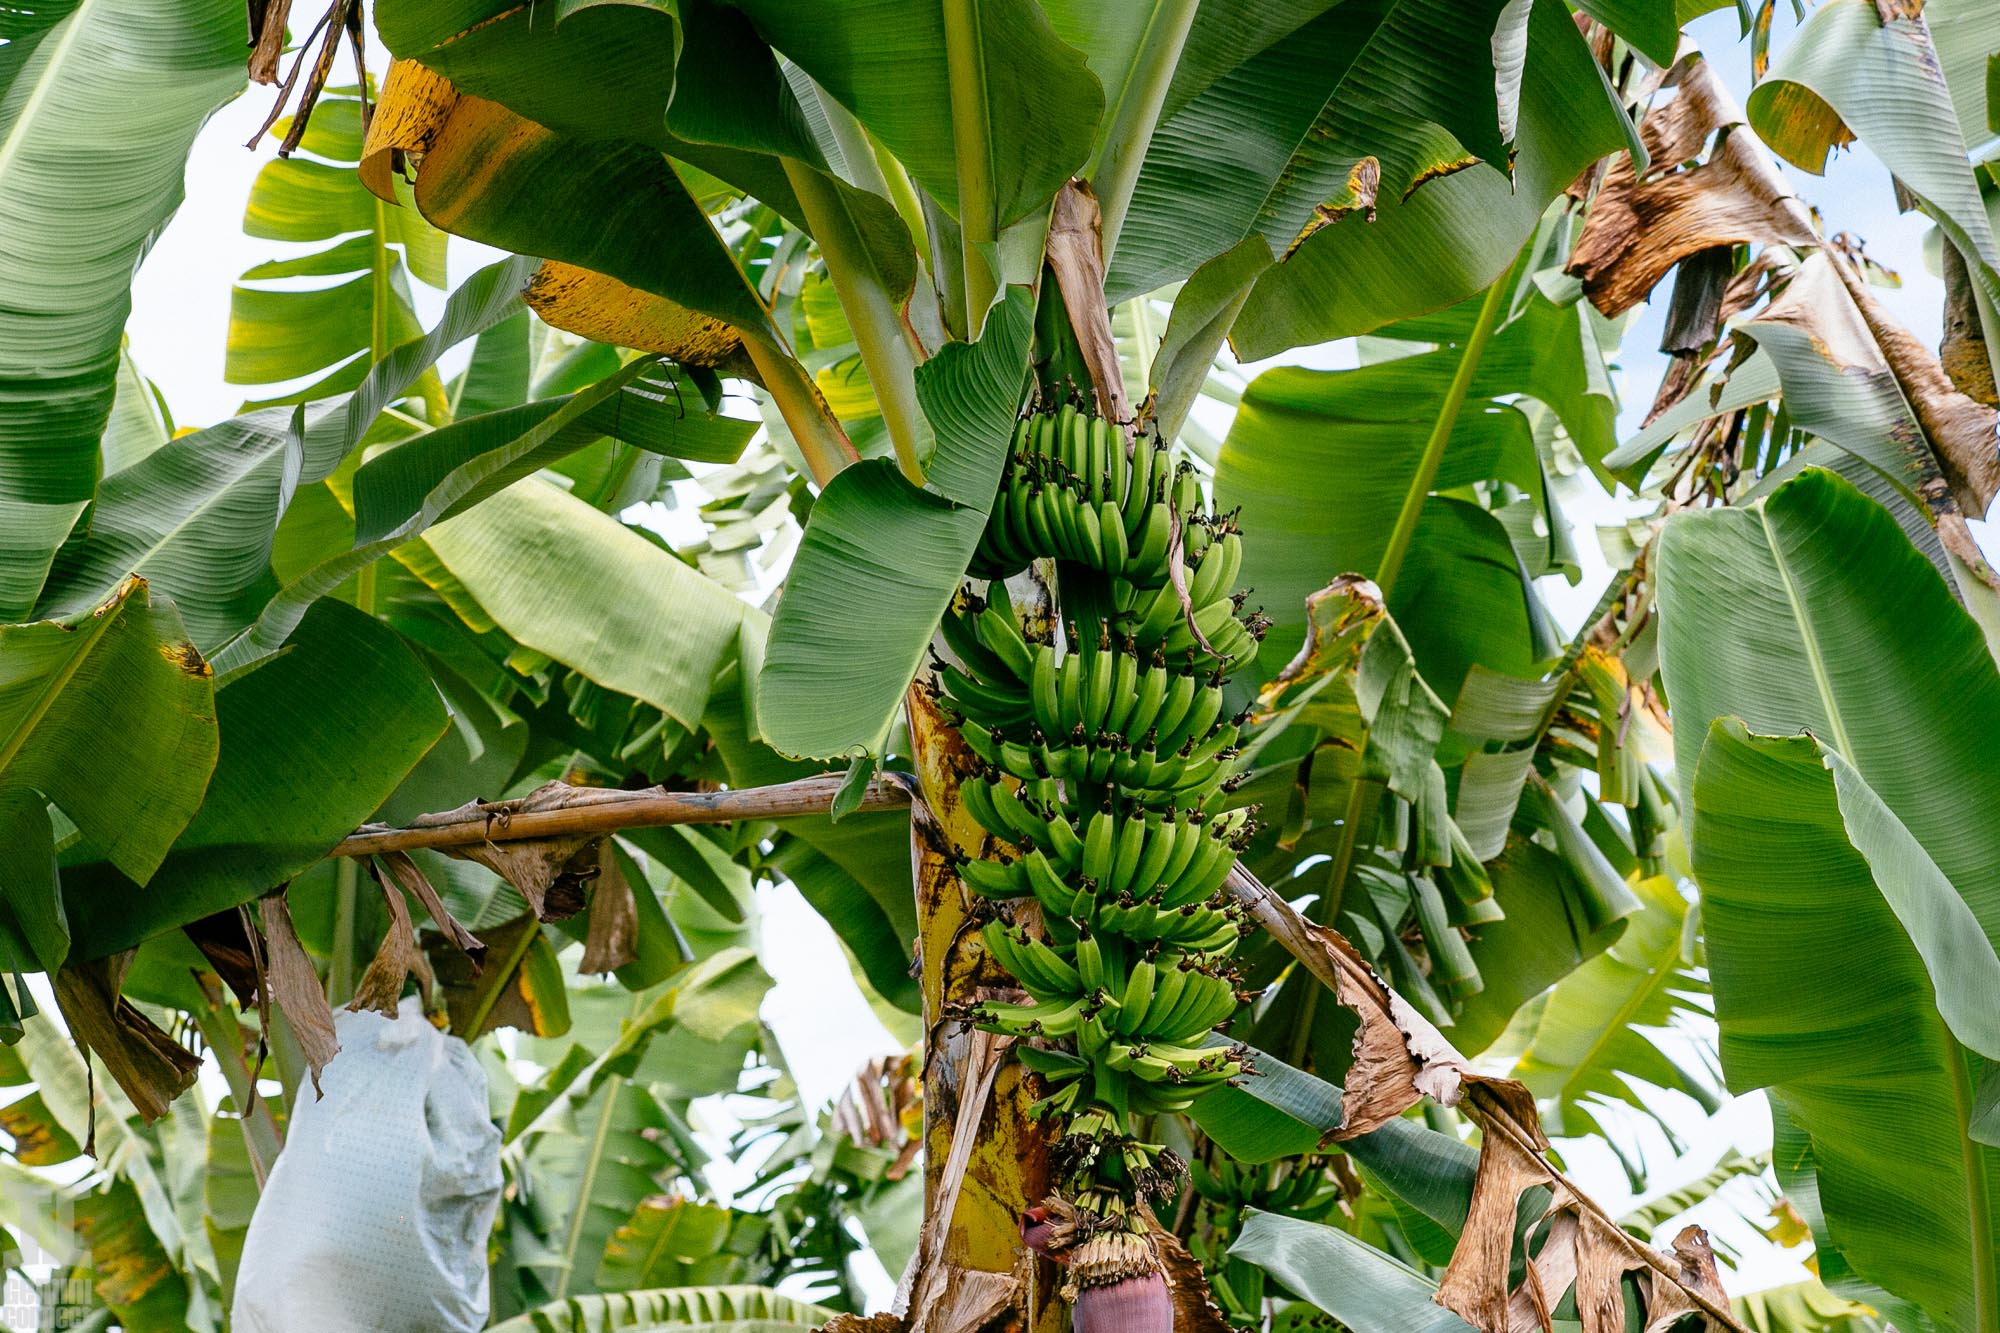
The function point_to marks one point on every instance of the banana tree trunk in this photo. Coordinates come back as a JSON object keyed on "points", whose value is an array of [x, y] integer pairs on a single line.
{"points": [[985, 1162]]}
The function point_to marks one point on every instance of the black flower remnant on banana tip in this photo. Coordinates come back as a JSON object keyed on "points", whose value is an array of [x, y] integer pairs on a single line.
{"points": [[1105, 760]]}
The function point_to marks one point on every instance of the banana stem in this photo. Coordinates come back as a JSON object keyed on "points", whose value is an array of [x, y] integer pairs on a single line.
{"points": [[822, 443], [1433, 456], [872, 313]]}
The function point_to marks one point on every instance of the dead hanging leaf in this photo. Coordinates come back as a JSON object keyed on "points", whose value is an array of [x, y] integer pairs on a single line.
{"points": [[1961, 430], [295, 985], [520, 985], [381, 986], [883, 1108], [614, 917], [150, 1066], [1187, 1284], [267, 38], [415, 102], [1694, 1265], [223, 939], [1582, 1248], [1076, 255], [551, 873], [407, 874], [1638, 228], [1963, 351], [1399, 1057], [606, 310], [1953, 467]]}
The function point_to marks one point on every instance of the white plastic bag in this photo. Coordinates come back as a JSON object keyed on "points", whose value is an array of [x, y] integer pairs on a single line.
{"points": [[375, 1218]]}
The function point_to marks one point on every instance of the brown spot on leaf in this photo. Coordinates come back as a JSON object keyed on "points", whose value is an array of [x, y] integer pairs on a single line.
{"points": [[186, 657]]}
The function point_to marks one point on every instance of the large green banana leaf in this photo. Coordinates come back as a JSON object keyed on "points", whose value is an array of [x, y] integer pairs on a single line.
{"points": [[1847, 820], [1794, 875], [100, 101], [674, 1310], [1359, 1285], [999, 142], [1273, 139], [1369, 427], [881, 559], [569, 581], [311, 743], [1846, 72], [198, 515], [111, 714], [1455, 235]]}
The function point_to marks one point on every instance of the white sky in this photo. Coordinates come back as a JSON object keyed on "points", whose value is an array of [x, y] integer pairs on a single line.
{"points": [[178, 330]]}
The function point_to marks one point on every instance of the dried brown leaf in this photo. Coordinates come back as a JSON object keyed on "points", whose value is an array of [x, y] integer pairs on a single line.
{"points": [[381, 986], [1694, 1270], [295, 985], [551, 873], [407, 874], [1187, 1285], [1638, 229], [1475, 1286], [1076, 254], [144, 1061], [1399, 1057], [614, 917], [223, 940]]}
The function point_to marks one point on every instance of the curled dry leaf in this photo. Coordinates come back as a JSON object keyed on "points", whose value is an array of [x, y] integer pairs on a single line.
{"points": [[614, 916], [381, 986], [1583, 1248], [1399, 1057], [1076, 255], [883, 1108], [1638, 228], [295, 985], [148, 1065], [1187, 1285], [407, 874], [415, 102]]}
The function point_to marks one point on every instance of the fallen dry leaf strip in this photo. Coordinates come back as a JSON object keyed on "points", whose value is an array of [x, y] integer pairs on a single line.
{"points": [[381, 986], [612, 941], [1076, 255], [412, 878], [295, 985], [1639, 228], [150, 1066]]}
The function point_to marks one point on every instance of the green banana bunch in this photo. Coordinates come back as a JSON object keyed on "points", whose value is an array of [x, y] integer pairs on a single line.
{"points": [[1106, 752]]}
